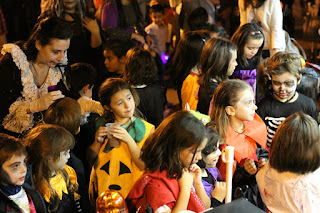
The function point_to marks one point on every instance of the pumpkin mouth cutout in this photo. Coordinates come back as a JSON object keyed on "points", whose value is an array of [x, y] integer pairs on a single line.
{"points": [[115, 187]]}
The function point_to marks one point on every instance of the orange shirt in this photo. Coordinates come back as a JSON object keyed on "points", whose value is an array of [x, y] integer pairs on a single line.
{"points": [[245, 144], [189, 91]]}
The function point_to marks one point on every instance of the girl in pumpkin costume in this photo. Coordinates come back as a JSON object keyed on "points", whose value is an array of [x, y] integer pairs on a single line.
{"points": [[49, 150], [233, 111], [116, 149]]}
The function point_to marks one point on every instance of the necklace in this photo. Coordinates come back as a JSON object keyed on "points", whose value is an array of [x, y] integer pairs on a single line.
{"points": [[241, 130], [38, 77]]}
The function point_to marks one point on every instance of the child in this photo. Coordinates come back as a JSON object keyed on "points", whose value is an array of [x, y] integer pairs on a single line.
{"points": [[157, 29], [285, 71], [218, 61], [263, 81], [141, 73], [66, 113], [115, 55], [117, 166], [211, 177], [13, 170], [238, 125], [289, 181], [49, 147], [249, 40], [184, 76], [172, 181], [82, 77]]}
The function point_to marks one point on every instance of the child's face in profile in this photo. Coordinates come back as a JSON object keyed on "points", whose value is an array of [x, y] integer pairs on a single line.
{"points": [[212, 159], [112, 62], [284, 86], [157, 18], [233, 63], [245, 109], [192, 154], [62, 161], [13, 171]]}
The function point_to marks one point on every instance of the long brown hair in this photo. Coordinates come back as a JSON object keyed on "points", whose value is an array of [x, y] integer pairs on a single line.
{"points": [[44, 142], [226, 94], [179, 131], [215, 60]]}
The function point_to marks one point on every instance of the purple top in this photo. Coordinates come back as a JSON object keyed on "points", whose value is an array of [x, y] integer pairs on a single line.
{"points": [[208, 186]]}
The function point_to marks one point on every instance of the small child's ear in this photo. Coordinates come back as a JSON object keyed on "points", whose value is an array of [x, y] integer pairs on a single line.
{"points": [[230, 110], [86, 87], [299, 79]]}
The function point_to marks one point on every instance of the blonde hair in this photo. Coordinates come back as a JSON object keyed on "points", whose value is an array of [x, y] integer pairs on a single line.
{"points": [[226, 94]]}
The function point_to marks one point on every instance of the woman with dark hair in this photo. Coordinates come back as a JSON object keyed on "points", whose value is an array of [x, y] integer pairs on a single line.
{"points": [[27, 70], [122, 19], [268, 14]]}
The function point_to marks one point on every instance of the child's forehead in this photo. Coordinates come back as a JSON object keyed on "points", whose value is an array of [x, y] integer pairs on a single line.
{"points": [[15, 158], [284, 76]]}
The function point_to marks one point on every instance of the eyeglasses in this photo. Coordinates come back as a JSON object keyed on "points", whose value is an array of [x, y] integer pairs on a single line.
{"points": [[255, 32]]}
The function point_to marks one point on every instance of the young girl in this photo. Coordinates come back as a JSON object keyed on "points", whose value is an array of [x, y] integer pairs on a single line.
{"points": [[49, 147], [185, 75], [211, 177], [218, 61], [13, 171], [288, 183], [141, 73], [249, 40], [117, 165], [238, 125], [172, 181]]}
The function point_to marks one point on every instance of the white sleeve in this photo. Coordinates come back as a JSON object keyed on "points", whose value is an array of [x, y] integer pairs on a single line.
{"points": [[276, 31]]}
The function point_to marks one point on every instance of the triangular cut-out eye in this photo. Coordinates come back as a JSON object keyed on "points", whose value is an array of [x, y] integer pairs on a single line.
{"points": [[106, 167], [123, 169]]}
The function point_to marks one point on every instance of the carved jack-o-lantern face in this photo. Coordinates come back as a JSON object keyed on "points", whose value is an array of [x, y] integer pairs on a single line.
{"points": [[117, 175]]}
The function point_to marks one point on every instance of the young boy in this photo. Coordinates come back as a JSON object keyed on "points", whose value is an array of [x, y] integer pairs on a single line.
{"points": [[13, 170], [285, 71], [82, 77], [157, 29]]}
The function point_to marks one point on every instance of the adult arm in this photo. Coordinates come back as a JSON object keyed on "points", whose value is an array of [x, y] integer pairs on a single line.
{"points": [[93, 27], [276, 32], [243, 13]]}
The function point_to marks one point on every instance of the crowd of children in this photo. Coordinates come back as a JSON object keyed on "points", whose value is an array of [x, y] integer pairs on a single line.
{"points": [[108, 130]]}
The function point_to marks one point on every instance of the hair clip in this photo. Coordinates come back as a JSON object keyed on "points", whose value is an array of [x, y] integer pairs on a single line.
{"points": [[204, 41], [255, 32], [231, 51]]}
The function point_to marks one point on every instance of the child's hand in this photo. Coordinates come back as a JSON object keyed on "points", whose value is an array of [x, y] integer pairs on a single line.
{"points": [[250, 166], [186, 179], [121, 134], [261, 163], [101, 134], [219, 191], [196, 173]]}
